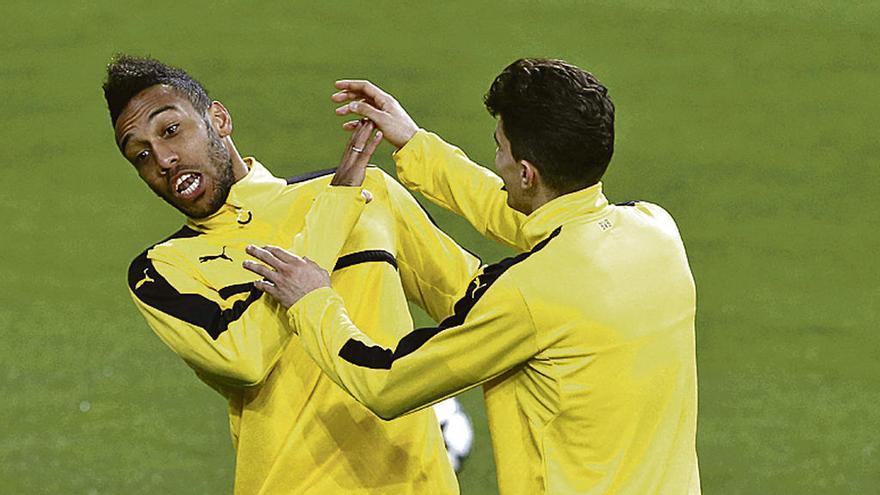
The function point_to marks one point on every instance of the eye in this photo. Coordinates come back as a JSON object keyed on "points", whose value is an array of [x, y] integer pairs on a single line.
{"points": [[143, 155], [171, 129]]}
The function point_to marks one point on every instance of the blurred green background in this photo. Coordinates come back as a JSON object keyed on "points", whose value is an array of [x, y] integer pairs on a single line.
{"points": [[753, 122]]}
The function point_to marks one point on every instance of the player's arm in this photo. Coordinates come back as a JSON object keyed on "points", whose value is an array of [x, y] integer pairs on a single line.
{"points": [[446, 176], [229, 335], [485, 337], [434, 269], [328, 224], [440, 171], [336, 210], [490, 331]]}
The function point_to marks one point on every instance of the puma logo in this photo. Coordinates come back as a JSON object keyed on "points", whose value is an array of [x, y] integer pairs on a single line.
{"points": [[477, 286], [211, 257], [144, 280]]}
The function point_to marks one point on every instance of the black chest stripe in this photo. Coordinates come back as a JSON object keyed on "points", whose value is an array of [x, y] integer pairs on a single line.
{"points": [[375, 255], [231, 290], [377, 357], [155, 291]]}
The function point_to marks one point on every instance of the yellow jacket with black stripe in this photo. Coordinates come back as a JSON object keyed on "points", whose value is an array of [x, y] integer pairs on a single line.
{"points": [[584, 341], [294, 431]]}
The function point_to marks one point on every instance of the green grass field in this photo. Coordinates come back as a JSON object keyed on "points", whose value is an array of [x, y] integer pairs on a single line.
{"points": [[753, 122]]}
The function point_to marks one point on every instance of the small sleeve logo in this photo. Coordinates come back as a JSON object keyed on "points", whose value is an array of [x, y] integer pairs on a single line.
{"points": [[144, 280]]}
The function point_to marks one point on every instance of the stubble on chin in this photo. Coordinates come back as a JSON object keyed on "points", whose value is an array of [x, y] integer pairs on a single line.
{"points": [[219, 162]]}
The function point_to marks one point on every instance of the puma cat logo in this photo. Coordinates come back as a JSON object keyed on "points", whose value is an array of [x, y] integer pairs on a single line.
{"points": [[144, 280], [211, 257], [477, 286]]}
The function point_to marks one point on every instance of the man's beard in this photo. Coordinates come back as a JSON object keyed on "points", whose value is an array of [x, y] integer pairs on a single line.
{"points": [[220, 162]]}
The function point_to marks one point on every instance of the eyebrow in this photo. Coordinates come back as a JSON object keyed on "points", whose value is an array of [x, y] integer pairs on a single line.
{"points": [[150, 117]]}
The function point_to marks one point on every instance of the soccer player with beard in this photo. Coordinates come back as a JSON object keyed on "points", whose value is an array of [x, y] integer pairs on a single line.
{"points": [[294, 431]]}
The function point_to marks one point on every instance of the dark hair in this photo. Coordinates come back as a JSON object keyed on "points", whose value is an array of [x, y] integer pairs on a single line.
{"points": [[127, 76], [558, 117]]}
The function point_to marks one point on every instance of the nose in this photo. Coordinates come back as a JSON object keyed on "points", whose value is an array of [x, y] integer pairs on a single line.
{"points": [[166, 157]]}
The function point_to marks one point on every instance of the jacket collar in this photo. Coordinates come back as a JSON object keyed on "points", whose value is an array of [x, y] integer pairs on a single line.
{"points": [[246, 197], [564, 209]]}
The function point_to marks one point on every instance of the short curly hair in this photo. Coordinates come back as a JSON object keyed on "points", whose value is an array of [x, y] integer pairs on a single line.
{"points": [[128, 75], [557, 116]]}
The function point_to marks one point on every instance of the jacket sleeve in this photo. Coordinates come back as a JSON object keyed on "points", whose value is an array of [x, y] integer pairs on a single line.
{"points": [[233, 335], [328, 224], [485, 337], [434, 269], [229, 339], [447, 177]]}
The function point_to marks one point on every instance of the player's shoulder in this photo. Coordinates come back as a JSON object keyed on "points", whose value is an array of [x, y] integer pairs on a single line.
{"points": [[646, 208], [651, 213], [169, 249]]}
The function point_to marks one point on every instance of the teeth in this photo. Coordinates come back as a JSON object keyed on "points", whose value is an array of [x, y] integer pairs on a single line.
{"points": [[180, 180], [192, 187]]}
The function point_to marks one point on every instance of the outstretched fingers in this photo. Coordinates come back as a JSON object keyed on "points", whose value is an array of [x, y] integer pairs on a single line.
{"points": [[360, 136], [359, 88], [364, 109], [352, 168], [284, 255], [371, 146]]}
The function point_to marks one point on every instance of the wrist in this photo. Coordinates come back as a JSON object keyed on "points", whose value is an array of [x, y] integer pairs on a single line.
{"points": [[406, 136], [313, 300]]}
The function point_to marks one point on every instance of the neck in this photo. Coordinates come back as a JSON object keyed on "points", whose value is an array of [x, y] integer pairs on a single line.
{"points": [[541, 197], [239, 168]]}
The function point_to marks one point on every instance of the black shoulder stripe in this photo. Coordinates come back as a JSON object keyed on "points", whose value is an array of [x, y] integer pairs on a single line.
{"points": [[314, 175], [136, 270], [310, 175], [377, 357], [155, 291], [627, 203], [365, 257]]}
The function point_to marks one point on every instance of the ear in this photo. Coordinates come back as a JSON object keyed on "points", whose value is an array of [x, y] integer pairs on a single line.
{"points": [[528, 175], [220, 119]]}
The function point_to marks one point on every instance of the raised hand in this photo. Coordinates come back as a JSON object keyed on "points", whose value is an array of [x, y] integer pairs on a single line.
{"points": [[353, 167], [368, 100]]}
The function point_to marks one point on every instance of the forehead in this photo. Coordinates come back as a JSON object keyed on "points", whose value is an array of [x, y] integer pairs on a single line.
{"points": [[145, 104]]}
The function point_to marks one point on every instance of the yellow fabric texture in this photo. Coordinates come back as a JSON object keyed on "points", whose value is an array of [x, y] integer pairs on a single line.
{"points": [[584, 342], [294, 431]]}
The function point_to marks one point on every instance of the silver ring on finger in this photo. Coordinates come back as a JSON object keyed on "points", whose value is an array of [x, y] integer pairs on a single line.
{"points": [[356, 149]]}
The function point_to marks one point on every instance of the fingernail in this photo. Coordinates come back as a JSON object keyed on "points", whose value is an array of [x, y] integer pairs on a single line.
{"points": [[353, 105], [379, 135]]}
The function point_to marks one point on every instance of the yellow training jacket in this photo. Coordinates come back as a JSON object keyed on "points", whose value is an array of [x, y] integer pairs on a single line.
{"points": [[294, 431], [584, 341]]}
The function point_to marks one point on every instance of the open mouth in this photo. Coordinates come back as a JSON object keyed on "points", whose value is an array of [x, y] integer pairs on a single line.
{"points": [[188, 185]]}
